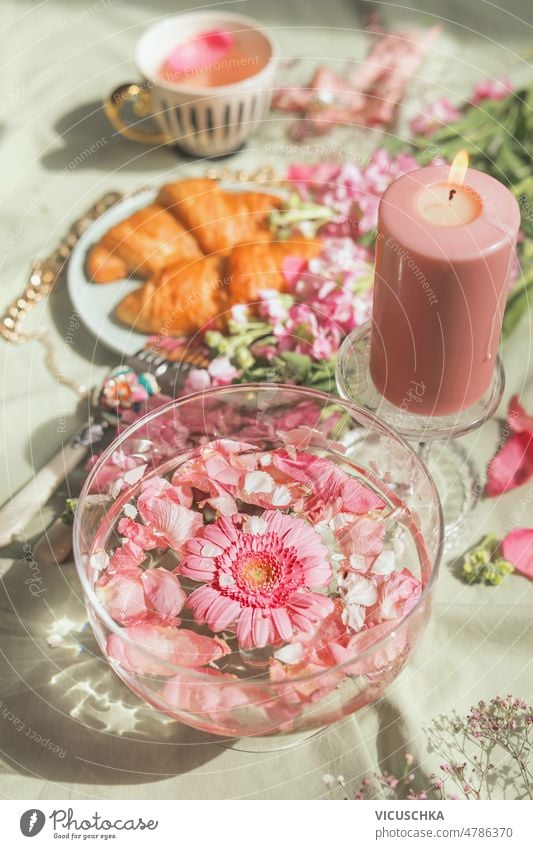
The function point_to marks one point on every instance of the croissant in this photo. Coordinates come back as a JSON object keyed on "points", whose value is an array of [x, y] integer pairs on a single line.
{"points": [[140, 245], [219, 219], [177, 301], [253, 268]]}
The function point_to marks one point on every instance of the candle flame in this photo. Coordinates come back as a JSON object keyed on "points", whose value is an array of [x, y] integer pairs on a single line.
{"points": [[458, 168]]}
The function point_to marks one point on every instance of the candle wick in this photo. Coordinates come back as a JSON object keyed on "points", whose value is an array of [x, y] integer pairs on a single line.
{"points": [[452, 193]]}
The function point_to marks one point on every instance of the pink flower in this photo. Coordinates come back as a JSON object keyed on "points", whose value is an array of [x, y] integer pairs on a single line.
{"points": [[138, 534], [197, 380], [292, 268], [131, 595], [352, 191], [517, 547], [123, 596], [211, 696], [164, 595], [126, 556], [222, 372], [258, 577], [306, 176], [331, 489], [513, 463], [491, 90], [361, 538], [118, 464], [173, 523], [397, 595], [304, 332], [441, 111], [332, 294], [158, 647]]}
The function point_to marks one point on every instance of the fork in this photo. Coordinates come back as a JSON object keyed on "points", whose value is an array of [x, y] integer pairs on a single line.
{"points": [[33, 495]]}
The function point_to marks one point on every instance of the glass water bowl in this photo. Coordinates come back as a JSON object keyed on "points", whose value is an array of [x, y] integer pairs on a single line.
{"points": [[258, 559]]}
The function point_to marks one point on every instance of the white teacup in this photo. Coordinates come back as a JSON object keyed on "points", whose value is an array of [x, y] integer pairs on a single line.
{"points": [[209, 121]]}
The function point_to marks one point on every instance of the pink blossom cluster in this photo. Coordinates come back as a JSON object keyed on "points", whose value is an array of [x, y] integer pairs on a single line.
{"points": [[352, 190], [441, 112], [331, 297]]}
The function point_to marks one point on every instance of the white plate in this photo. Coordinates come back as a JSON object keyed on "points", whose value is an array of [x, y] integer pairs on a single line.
{"points": [[95, 302]]}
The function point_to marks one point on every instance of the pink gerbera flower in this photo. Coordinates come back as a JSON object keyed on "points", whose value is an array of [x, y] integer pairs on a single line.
{"points": [[258, 572]]}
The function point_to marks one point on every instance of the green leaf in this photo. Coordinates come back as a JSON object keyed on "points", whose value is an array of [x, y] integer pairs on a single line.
{"points": [[519, 303]]}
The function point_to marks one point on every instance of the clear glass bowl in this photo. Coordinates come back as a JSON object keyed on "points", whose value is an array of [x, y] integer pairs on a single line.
{"points": [[328, 667]]}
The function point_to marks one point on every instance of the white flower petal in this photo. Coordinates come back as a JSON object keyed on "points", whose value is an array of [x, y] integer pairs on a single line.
{"points": [[281, 496], [384, 563], [357, 562], [129, 510], [99, 560], [291, 653], [254, 525], [135, 475], [353, 616], [360, 591], [258, 482]]}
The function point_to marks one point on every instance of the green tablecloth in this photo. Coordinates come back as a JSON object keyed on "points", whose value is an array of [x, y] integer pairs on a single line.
{"points": [[68, 728]]}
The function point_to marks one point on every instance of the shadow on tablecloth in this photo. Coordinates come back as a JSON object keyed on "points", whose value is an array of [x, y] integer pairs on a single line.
{"points": [[65, 717]]}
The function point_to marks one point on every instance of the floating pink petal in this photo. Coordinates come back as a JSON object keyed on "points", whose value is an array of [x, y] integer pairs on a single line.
{"points": [[173, 522], [126, 556], [178, 491], [398, 594], [123, 597], [517, 547], [362, 537], [159, 647], [138, 534], [163, 593], [182, 692], [332, 490]]}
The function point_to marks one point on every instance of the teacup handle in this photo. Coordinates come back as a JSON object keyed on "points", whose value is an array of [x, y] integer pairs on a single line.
{"points": [[140, 98]]}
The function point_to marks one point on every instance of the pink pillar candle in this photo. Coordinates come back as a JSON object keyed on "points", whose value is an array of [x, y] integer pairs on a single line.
{"points": [[443, 261]]}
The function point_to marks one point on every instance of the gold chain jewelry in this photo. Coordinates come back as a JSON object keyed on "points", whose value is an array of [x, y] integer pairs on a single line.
{"points": [[46, 274]]}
